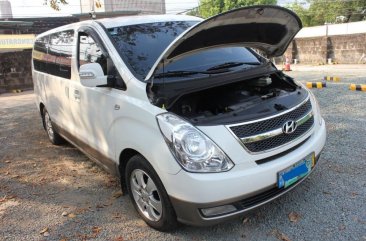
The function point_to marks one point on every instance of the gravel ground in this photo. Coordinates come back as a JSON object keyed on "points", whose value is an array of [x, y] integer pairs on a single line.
{"points": [[59, 192]]}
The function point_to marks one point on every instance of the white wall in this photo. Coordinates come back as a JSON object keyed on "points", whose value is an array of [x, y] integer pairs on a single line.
{"points": [[333, 29], [5, 9]]}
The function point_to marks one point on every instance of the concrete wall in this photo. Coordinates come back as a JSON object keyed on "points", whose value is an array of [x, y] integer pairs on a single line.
{"points": [[347, 49], [309, 50], [343, 49], [17, 68], [342, 43], [333, 29]]}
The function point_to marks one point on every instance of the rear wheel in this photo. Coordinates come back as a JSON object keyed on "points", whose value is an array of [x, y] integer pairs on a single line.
{"points": [[148, 195], [54, 137]]}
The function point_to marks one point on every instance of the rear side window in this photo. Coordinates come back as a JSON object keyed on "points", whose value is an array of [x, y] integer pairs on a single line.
{"points": [[40, 54], [52, 53], [60, 53]]}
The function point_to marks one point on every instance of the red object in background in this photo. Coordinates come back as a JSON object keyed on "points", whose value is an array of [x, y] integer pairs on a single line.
{"points": [[287, 66]]}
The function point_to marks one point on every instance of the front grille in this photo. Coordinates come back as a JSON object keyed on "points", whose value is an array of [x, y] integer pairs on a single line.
{"points": [[255, 128], [279, 140], [281, 154], [260, 198]]}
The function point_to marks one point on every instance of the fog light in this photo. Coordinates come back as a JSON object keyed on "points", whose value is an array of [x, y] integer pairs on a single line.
{"points": [[209, 212]]}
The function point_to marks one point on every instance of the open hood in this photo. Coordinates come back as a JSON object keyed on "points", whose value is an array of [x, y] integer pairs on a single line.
{"points": [[267, 28]]}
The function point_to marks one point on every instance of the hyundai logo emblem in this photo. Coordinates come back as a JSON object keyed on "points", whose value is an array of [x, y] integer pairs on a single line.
{"points": [[289, 127]]}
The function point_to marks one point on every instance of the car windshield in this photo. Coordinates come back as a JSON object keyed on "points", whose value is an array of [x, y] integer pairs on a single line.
{"points": [[211, 61], [141, 45]]}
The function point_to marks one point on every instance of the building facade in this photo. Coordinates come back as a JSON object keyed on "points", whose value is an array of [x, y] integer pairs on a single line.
{"points": [[5, 9], [17, 34], [16, 42], [141, 6]]}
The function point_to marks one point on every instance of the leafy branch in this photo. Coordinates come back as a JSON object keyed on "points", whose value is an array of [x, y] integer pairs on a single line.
{"points": [[55, 4]]}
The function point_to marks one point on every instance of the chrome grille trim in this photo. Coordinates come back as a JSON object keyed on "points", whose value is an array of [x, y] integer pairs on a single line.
{"points": [[277, 147], [270, 117], [276, 132], [305, 124]]}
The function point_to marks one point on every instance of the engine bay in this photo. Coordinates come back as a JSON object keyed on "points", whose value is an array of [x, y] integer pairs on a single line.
{"points": [[240, 101]]}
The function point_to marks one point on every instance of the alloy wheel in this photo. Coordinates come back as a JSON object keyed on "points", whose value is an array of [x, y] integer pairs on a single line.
{"points": [[146, 195]]}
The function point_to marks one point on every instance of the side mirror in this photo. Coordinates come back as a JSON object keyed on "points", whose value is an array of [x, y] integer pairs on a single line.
{"points": [[92, 75]]}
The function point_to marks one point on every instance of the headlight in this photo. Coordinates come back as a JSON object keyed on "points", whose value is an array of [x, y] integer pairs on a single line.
{"points": [[193, 150], [315, 101], [316, 107]]}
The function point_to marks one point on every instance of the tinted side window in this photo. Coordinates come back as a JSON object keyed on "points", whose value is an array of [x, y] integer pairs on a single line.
{"points": [[40, 54], [60, 53], [90, 52]]}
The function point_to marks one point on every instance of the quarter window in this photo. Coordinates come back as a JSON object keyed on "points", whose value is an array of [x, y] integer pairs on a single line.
{"points": [[40, 54], [60, 53], [52, 54]]}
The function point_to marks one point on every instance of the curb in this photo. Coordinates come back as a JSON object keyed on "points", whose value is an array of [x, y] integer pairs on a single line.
{"points": [[331, 78], [357, 87], [316, 85]]}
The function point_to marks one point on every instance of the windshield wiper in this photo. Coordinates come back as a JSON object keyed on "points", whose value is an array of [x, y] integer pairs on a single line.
{"points": [[179, 73], [231, 64]]}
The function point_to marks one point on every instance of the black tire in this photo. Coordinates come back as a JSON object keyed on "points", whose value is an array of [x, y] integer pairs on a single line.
{"points": [[52, 134], [168, 218]]}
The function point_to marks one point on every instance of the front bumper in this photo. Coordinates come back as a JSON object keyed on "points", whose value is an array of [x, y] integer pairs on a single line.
{"points": [[189, 213], [243, 187]]}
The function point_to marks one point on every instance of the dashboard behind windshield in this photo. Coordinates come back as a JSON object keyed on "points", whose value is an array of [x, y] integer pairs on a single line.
{"points": [[206, 59]]}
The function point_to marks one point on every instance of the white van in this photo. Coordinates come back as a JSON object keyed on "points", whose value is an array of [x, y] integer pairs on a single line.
{"points": [[199, 127]]}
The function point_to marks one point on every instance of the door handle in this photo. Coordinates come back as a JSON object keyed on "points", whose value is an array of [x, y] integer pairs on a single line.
{"points": [[67, 91], [77, 95]]}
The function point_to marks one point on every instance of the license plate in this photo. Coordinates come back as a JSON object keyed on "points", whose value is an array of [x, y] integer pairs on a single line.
{"points": [[297, 171]]}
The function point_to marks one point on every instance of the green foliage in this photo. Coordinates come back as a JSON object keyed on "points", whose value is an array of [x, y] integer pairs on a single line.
{"points": [[302, 12], [55, 4], [319, 12], [193, 12], [209, 8]]}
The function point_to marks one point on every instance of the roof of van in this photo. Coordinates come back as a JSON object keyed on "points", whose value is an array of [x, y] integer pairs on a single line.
{"points": [[125, 20], [140, 19]]}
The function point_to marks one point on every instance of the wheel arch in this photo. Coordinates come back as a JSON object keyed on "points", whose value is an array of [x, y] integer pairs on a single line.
{"points": [[124, 157], [41, 108]]}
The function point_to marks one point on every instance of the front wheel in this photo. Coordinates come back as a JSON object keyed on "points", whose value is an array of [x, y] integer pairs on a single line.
{"points": [[148, 195]]}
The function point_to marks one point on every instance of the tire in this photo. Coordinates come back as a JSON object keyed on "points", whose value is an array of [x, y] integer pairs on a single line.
{"points": [[53, 136], [148, 195]]}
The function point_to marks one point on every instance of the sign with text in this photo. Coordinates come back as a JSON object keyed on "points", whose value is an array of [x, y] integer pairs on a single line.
{"points": [[16, 41]]}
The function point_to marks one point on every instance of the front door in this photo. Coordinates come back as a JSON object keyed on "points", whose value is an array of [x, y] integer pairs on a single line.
{"points": [[93, 107]]}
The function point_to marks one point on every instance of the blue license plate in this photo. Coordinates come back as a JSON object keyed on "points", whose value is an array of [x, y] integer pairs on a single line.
{"points": [[294, 173]]}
